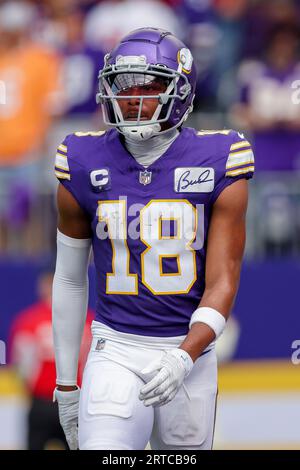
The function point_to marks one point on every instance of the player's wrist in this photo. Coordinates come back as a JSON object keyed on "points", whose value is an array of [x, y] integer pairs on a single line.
{"points": [[66, 388], [211, 317], [66, 397], [185, 359]]}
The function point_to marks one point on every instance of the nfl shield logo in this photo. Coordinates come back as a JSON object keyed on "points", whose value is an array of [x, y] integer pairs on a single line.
{"points": [[100, 344], [145, 177]]}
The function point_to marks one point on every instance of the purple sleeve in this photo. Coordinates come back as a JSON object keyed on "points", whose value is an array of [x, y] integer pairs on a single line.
{"points": [[236, 163]]}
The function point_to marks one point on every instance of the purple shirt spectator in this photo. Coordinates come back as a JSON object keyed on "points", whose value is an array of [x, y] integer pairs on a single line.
{"points": [[268, 94], [80, 79]]}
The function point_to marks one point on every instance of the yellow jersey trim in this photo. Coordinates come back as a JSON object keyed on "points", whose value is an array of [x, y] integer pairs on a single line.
{"points": [[239, 145], [63, 176], [240, 171]]}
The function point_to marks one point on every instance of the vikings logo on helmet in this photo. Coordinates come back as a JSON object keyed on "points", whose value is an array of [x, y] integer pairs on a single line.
{"points": [[143, 56], [185, 58]]}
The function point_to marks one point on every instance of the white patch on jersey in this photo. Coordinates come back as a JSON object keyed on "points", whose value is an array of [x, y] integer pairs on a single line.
{"points": [[194, 180], [61, 162], [239, 158], [99, 178], [241, 135]]}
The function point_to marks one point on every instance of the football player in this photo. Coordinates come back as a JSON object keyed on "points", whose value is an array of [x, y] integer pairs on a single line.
{"points": [[163, 208]]}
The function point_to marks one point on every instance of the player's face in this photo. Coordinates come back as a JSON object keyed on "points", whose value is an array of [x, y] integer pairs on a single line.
{"points": [[130, 107]]}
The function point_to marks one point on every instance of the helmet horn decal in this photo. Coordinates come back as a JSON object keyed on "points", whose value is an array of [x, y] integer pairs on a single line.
{"points": [[185, 59]]}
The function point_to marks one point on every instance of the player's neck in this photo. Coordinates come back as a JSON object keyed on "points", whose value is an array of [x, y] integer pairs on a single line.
{"points": [[147, 151]]}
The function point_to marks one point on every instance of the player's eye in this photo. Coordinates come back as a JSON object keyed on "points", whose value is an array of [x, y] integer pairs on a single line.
{"points": [[148, 88], [155, 87]]}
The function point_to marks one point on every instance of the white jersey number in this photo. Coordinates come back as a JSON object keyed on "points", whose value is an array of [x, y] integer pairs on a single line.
{"points": [[161, 241]]}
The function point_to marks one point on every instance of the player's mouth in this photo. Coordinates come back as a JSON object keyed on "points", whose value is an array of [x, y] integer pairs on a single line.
{"points": [[133, 117]]}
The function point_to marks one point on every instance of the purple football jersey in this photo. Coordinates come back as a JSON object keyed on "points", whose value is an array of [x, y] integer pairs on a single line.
{"points": [[150, 225]]}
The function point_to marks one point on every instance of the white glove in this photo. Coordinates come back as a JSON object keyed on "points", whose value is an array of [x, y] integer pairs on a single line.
{"points": [[172, 369], [68, 408]]}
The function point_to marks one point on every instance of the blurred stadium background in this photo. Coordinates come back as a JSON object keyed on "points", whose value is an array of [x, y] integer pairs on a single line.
{"points": [[247, 53]]}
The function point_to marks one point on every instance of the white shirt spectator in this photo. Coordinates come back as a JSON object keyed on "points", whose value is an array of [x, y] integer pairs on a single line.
{"points": [[108, 22]]}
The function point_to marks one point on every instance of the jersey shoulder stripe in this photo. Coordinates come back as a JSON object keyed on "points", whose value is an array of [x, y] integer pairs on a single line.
{"points": [[247, 169], [240, 158], [61, 175], [73, 152], [61, 162], [62, 148], [61, 165], [239, 145], [237, 159]]}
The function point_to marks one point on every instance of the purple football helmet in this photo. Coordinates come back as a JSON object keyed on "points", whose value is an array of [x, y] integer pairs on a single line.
{"points": [[142, 57]]}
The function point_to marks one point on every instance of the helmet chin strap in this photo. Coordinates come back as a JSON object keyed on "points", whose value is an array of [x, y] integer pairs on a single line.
{"points": [[140, 133]]}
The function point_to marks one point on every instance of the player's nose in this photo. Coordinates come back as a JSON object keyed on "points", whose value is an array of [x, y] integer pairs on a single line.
{"points": [[134, 96]]}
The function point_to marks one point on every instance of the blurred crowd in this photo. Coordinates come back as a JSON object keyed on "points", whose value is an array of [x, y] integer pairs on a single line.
{"points": [[247, 56]]}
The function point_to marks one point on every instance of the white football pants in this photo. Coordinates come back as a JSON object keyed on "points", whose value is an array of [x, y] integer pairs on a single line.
{"points": [[111, 416]]}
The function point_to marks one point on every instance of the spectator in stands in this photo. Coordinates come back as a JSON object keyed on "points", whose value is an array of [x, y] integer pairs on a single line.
{"points": [[78, 77], [81, 66], [266, 107], [31, 351], [280, 228], [215, 32], [111, 20], [29, 73], [202, 35], [263, 15]]}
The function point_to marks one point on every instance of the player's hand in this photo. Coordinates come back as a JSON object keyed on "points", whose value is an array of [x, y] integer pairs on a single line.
{"points": [[172, 369], [68, 407]]}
